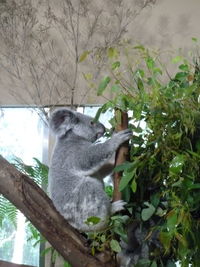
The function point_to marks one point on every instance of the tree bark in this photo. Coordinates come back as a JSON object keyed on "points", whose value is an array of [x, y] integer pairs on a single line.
{"points": [[121, 155], [37, 207]]}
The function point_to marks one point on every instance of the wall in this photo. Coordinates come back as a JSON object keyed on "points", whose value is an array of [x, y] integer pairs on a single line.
{"points": [[48, 76]]}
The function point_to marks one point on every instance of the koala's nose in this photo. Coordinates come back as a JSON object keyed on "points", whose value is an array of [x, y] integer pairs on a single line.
{"points": [[101, 130]]}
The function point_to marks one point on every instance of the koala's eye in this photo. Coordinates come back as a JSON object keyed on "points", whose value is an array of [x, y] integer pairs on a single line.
{"points": [[91, 123]]}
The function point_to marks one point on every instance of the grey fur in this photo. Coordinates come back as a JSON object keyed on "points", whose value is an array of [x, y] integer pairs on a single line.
{"points": [[78, 166]]}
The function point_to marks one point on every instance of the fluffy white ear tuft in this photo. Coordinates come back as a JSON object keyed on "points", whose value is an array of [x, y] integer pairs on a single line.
{"points": [[62, 120]]}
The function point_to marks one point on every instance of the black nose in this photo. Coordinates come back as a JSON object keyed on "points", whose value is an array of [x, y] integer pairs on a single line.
{"points": [[103, 128]]}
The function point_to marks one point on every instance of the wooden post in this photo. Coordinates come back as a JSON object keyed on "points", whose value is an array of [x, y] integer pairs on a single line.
{"points": [[121, 155]]}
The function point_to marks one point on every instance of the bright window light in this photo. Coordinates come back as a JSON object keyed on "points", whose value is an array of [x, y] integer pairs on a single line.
{"points": [[21, 135]]}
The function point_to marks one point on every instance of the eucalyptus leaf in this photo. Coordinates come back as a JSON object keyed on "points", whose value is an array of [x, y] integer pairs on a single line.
{"points": [[93, 220], [103, 84], [114, 244], [124, 166], [126, 178], [176, 164], [83, 56], [134, 186], [115, 65], [147, 213]]}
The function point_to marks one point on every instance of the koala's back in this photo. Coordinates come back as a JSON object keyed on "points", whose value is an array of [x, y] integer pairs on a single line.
{"points": [[76, 195]]}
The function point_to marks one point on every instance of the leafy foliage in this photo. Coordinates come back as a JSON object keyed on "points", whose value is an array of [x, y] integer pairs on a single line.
{"points": [[161, 183], [38, 171]]}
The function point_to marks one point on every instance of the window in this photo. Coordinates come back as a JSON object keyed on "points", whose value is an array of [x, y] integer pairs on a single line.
{"points": [[22, 134]]}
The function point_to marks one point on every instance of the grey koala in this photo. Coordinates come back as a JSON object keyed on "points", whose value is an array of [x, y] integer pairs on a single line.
{"points": [[78, 166]]}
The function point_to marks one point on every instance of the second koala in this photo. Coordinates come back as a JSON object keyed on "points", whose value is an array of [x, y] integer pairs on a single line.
{"points": [[78, 167]]}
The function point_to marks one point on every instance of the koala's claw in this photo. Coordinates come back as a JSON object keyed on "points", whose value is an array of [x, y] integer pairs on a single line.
{"points": [[117, 206], [123, 136]]}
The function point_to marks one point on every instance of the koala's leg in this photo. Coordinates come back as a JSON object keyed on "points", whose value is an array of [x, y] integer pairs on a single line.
{"points": [[117, 206], [87, 200]]}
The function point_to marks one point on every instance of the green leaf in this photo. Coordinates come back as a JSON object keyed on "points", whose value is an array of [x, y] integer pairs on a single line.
{"points": [[172, 219], [139, 47], [176, 164], [139, 73], [137, 129], [181, 76], [126, 178], [114, 244], [115, 65], [103, 238], [160, 212], [150, 63], [194, 186], [184, 67], [88, 76], [93, 220], [109, 190], [157, 70], [148, 212], [134, 186], [155, 200], [140, 84], [181, 239], [194, 39], [83, 56], [103, 84], [112, 52], [165, 239], [125, 166], [177, 59]]}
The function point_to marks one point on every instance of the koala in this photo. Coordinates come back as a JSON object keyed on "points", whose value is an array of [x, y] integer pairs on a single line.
{"points": [[78, 166]]}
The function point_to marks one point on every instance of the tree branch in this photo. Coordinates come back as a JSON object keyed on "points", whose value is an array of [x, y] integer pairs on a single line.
{"points": [[32, 201], [121, 155]]}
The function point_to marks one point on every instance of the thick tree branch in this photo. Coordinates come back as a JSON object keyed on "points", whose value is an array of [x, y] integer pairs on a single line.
{"points": [[31, 200], [121, 155]]}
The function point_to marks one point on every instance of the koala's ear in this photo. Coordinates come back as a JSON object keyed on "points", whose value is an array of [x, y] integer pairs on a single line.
{"points": [[62, 120]]}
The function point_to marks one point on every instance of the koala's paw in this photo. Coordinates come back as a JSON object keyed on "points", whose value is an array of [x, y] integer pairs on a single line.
{"points": [[123, 259], [117, 206], [123, 136]]}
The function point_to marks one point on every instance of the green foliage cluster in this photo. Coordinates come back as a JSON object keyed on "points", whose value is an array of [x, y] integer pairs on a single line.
{"points": [[161, 182]]}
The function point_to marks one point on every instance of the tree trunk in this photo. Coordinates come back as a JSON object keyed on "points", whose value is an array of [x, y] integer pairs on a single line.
{"points": [[37, 207], [121, 155]]}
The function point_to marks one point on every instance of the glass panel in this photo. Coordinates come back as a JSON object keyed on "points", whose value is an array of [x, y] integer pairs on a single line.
{"points": [[21, 135]]}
